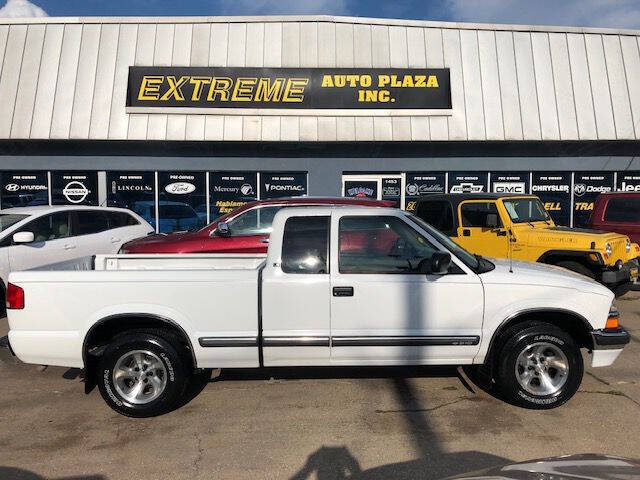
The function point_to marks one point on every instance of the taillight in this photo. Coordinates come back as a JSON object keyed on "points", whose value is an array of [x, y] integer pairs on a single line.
{"points": [[15, 297]]}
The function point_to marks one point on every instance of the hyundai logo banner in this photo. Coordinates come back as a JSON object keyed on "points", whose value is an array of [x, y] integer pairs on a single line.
{"points": [[74, 188], [298, 90], [230, 190], [554, 189], [586, 187], [283, 185], [24, 189]]}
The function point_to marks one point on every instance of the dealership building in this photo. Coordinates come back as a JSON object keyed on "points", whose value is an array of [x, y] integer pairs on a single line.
{"points": [[193, 116]]}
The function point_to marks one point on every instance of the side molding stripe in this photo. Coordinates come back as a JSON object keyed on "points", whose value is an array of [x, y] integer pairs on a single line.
{"points": [[228, 341], [390, 341]]}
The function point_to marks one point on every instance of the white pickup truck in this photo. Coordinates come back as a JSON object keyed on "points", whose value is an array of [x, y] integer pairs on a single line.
{"points": [[339, 286]]}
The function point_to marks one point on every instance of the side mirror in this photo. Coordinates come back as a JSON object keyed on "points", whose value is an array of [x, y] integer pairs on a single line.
{"points": [[492, 220], [23, 237], [222, 230], [440, 262]]}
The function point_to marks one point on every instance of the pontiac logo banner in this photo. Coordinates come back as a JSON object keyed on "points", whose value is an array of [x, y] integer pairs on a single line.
{"points": [[298, 90]]}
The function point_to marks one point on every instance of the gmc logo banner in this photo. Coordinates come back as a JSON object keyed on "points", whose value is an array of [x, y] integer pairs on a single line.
{"points": [[204, 89]]}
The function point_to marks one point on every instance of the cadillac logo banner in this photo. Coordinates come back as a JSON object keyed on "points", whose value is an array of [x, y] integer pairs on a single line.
{"points": [[280, 91]]}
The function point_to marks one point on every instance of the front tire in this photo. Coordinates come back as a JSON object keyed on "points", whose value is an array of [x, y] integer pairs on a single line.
{"points": [[539, 367], [143, 374]]}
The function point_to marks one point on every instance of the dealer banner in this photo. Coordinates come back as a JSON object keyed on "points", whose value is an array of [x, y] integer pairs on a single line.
{"points": [[25, 189], [510, 182], [468, 182], [628, 181], [422, 184], [554, 190], [277, 185], [74, 188], [133, 190], [230, 190], [304, 90], [586, 187]]}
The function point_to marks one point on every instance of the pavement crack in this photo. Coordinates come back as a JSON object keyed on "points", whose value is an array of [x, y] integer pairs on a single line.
{"points": [[609, 392], [416, 410], [199, 457]]}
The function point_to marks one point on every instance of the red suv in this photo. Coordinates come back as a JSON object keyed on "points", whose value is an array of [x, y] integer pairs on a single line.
{"points": [[617, 212], [245, 230]]}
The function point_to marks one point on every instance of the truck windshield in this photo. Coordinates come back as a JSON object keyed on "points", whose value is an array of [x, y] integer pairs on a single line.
{"points": [[467, 258], [523, 210], [8, 219]]}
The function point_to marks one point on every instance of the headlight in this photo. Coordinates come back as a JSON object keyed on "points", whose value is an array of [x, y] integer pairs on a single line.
{"points": [[628, 246], [607, 248]]}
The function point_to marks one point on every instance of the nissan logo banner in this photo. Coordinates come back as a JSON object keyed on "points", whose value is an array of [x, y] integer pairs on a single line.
{"points": [[230, 190], [586, 187], [297, 89], [24, 189], [74, 188], [421, 184], [274, 185], [554, 190]]}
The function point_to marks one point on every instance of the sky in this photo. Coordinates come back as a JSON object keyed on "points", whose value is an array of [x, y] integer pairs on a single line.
{"points": [[585, 13]]}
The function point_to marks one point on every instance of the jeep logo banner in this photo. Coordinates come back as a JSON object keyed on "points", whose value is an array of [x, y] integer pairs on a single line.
{"points": [[586, 187], [22, 189], [200, 89], [74, 188], [554, 190], [628, 182], [275, 185]]}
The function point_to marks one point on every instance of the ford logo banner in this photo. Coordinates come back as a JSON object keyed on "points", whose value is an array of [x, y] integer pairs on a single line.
{"points": [[180, 188]]}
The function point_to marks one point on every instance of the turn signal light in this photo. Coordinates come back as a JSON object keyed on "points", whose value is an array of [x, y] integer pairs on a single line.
{"points": [[612, 323], [15, 297]]}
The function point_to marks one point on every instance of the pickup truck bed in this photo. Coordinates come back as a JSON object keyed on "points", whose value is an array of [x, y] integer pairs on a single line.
{"points": [[339, 286]]}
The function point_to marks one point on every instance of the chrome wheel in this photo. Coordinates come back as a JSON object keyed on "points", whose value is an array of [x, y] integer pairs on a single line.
{"points": [[139, 376], [542, 369]]}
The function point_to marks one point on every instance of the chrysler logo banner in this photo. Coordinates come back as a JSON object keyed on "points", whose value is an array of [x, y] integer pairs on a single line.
{"points": [[204, 88]]}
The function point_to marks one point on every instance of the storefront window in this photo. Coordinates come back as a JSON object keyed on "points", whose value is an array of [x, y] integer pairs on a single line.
{"points": [[74, 188], [230, 190], [24, 189], [181, 195], [132, 190]]}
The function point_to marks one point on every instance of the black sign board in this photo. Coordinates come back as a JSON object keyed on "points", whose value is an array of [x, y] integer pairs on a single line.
{"points": [[132, 190], [586, 187], [628, 182], [289, 88], [391, 190], [554, 189], [510, 182], [230, 190], [276, 185], [467, 182], [21, 189], [420, 184], [361, 189], [74, 188], [182, 201]]}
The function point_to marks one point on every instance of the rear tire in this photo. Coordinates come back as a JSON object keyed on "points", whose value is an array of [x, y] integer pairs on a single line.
{"points": [[143, 374], [539, 367], [577, 267]]}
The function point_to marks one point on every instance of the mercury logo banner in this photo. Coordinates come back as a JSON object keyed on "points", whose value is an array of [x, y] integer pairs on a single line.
{"points": [[289, 88]]}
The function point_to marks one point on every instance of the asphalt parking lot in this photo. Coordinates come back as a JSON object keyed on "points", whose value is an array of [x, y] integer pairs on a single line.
{"points": [[423, 423]]}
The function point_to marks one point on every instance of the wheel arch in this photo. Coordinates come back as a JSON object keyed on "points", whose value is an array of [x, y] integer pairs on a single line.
{"points": [[551, 257], [571, 322]]}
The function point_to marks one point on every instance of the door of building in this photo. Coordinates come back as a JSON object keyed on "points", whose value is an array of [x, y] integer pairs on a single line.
{"points": [[375, 186]]}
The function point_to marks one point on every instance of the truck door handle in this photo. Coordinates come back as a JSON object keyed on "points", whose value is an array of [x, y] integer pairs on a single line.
{"points": [[69, 246], [114, 240], [343, 291], [501, 233], [264, 240], [466, 232]]}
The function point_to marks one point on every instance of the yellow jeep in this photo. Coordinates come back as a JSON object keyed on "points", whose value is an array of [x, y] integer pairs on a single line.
{"points": [[498, 225]]}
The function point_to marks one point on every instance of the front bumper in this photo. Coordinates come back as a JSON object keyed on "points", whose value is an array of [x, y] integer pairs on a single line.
{"points": [[627, 273], [607, 346]]}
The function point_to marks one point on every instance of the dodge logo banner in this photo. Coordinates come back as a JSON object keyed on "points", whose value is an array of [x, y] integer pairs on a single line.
{"points": [[554, 190], [510, 182], [132, 190], [74, 188], [276, 185], [586, 187], [22, 189], [467, 182], [296, 89], [421, 184], [230, 190]]}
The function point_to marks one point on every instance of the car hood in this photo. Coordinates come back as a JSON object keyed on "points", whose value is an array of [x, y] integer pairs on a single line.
{"points": [[585, 466], [160, 239], [518, 272]]}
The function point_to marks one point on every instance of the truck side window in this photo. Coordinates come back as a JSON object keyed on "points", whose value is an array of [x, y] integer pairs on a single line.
{"points": [[256, 221], [477, 214], [438, 214], [305, 245], [623, 210], [371, 244]]}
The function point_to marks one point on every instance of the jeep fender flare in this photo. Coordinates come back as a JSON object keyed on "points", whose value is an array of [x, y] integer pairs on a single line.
{"points": [[567, 255]]}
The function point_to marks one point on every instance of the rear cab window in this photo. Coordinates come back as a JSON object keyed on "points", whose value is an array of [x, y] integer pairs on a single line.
{"points": [[623, 210]]}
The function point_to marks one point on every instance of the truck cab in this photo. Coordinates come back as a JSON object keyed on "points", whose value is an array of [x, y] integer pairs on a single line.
{"points": [[518, 227]]}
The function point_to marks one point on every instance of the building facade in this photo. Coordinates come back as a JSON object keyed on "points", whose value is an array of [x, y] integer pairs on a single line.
{"points": [[194, 116]]}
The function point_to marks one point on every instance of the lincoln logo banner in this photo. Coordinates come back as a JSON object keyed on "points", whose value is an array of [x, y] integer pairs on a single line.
{"points": [[298, 91]]}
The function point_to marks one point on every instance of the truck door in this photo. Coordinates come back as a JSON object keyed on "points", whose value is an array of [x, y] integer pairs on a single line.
{"points": [[296, 296], [481, 230], [384, 310]]}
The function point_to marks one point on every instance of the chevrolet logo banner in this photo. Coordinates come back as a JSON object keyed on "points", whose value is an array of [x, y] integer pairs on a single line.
{"points": [[296, 90]]}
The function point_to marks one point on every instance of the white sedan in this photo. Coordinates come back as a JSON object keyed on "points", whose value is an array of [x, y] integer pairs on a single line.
{"points": [[32, 237]]}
